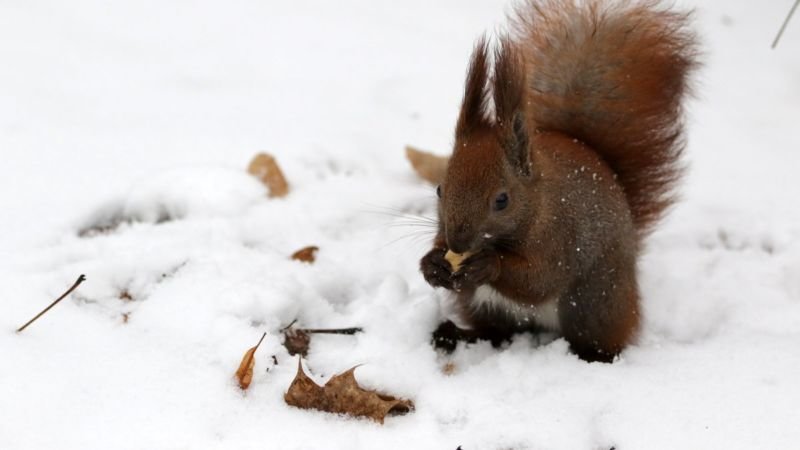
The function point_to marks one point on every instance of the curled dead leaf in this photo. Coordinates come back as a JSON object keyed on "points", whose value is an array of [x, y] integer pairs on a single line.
{"points": [[245, 371], [306, 254], [265, 168], [428, 166], [342, 395], [296, 341]]}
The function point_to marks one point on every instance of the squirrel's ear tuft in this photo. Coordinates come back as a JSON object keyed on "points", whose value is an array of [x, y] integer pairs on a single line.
{"points": [[473, 108], [509, 81], [509, 92]]}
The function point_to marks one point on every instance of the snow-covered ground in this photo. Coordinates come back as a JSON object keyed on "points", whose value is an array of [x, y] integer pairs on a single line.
{"points": [[152, 110]]}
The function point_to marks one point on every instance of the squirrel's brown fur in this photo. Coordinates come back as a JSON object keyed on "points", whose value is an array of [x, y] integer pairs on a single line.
{"points": [[553, 190]]}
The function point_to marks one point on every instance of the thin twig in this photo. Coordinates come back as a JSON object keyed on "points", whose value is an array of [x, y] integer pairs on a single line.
{"points": [[78, 282], [785, 22], [262, 338], [353, 330], [288, 326]]}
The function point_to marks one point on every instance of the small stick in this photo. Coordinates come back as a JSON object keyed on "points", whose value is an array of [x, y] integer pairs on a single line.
{"points": [[78, 282], [260, 340], [287, 326], [353, 330], [785, 22]]}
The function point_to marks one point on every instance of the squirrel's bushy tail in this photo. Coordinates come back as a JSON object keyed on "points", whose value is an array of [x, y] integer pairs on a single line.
{"points": [[612, 74]]}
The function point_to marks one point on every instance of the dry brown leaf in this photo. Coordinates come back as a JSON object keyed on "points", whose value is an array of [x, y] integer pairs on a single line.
{"points": [[265, 168], [342, 395], [307, 254], [296, 341], [427, 165], [245, 371]]}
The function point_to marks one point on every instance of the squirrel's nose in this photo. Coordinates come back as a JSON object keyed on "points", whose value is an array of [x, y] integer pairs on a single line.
{"points": [[459, 238], [457, 246]]}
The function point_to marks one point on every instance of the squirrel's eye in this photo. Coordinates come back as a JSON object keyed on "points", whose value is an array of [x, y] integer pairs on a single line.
{"points": [[501, 201], [439, 191]]}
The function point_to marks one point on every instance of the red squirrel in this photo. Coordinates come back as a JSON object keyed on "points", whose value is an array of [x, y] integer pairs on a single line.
{"points": [[567, 151]]}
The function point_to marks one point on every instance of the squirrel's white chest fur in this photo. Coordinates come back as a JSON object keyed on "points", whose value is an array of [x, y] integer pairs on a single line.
{"points": [[544, 314]]}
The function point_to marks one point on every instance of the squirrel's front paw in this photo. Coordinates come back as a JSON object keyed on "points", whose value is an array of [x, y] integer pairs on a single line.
{"points": [[436, 269], [480, 268]]}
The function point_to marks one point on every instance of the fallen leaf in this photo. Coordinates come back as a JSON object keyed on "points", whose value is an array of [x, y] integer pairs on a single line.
{"points": [[428, 166], [307, 254], [265, 168], [245, 371], [296, 341], [342, 395]]}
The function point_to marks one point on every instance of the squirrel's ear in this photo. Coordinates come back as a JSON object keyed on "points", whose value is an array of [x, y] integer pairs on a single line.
{"points": [[509, 92], [473, 107], [515, 143]]}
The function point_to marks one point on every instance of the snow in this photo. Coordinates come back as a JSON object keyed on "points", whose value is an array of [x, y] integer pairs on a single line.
{"points": [[150, 111]]}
